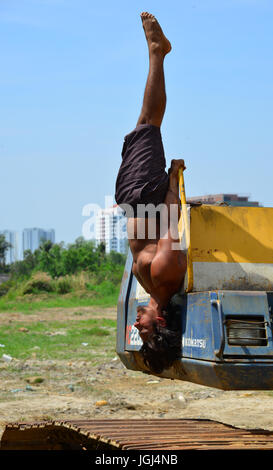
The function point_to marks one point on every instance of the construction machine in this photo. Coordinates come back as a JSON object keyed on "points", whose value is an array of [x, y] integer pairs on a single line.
{"points": [[225, 304]]}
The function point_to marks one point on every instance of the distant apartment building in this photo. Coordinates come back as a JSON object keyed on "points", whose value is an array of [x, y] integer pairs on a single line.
{"points": [[226, 199], [111, 229], [33, 237], [12, 238]]}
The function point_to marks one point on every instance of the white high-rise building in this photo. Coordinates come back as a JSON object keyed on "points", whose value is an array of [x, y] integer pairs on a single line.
{"points": [[12, 238], [111, 229], [34, 237]]}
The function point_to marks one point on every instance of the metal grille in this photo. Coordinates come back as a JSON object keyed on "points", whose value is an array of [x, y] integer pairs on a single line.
{"points": [[246, 331]]}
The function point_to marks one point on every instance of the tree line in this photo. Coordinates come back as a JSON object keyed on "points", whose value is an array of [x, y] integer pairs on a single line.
{"points": [[59, 260]]}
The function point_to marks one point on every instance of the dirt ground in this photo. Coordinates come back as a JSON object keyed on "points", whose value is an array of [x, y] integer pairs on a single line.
{"points": [[77, 389]]}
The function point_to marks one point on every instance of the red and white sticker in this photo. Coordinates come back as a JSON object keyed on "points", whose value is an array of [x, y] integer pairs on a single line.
{"points": [[132, 336]]}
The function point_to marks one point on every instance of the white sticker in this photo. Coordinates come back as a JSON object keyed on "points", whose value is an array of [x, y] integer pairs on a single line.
{"points": [[141, 293], [194, 342]]}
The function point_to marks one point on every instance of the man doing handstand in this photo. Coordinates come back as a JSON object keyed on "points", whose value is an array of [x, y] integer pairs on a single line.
{"points": [[158, 266]]}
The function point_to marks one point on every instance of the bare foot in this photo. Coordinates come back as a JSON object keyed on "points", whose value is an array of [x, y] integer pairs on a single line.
{"points": [[157, 41]]}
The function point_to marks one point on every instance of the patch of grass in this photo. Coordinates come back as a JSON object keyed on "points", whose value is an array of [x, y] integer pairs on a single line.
{"points": [[59, 340], [32, 303], [96, 331], [63, 285], [40, 282], [41, 291]]}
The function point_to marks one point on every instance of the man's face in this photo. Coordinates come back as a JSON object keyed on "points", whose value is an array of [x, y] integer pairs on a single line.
{"points": [[145, 321]]}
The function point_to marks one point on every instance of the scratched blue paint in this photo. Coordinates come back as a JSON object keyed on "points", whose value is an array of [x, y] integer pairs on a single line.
{"points": [[133, 340], [196, 327], [122, 305]]}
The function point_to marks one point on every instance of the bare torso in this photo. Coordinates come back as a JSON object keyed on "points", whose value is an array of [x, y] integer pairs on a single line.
{"points": [[158, 269]]}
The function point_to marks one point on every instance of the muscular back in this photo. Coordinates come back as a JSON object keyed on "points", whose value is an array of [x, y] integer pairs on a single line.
{"points": [[159, 269]]}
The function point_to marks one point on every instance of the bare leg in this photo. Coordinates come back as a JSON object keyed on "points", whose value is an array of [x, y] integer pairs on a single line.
{"points": [[154, 101]]}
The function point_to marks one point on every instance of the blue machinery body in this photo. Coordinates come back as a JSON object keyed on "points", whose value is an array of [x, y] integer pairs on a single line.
{"points": [[226, 336]]}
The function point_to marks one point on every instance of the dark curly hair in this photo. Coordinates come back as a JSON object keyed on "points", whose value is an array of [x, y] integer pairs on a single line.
{"points": [[164, 346]]}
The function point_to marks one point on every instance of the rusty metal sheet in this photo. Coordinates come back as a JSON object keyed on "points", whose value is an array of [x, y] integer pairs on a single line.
{"points": [[134, 434]]}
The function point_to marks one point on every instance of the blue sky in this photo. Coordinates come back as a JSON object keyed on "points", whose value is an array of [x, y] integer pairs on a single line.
{"points": [[71, 84]]}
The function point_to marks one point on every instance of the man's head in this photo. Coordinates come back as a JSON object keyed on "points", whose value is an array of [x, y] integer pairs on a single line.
{"points": [[146, 320], [161, 338]]}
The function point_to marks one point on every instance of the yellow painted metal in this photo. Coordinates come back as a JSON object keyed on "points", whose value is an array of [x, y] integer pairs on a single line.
{"points": [[183, 224], [231, 234]]}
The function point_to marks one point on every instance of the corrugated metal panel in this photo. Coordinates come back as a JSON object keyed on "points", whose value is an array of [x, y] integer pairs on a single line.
{"points": [[154, 434]]}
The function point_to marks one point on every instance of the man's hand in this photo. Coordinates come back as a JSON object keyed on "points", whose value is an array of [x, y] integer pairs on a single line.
{"points": [[176, 165], [173, 172]]}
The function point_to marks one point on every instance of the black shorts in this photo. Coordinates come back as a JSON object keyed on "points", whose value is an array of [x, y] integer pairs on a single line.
{"points": [[142, 178]]}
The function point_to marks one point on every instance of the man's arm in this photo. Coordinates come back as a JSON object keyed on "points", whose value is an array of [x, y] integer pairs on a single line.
{"points": [[168, 267]]}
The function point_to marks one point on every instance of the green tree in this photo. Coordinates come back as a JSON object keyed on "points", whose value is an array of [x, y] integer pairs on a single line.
{"points": [[25, 267], [4, 246], [81, 255], [59, 260], [49, 258]]}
